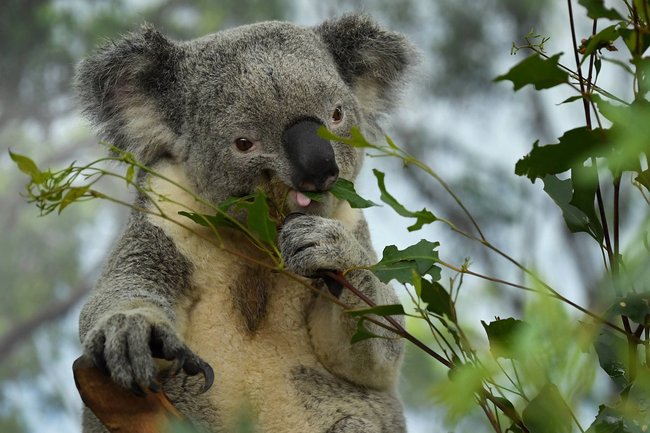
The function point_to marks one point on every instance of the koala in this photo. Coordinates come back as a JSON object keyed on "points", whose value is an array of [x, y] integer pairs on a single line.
{"points": [[222, 116]]}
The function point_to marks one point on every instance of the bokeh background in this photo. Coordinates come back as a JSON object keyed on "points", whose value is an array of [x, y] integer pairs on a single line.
{"points": [[452, 116]]}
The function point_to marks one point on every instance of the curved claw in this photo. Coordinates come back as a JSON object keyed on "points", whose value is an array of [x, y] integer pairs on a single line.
{"points": [[194, 366], [208, 376]]}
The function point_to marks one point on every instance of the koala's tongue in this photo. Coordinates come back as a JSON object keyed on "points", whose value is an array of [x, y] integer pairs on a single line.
{"points": [[302, 199]]}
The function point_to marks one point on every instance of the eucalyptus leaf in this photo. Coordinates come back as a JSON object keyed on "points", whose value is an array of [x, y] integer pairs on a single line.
{"points": [[437, 298], [578, 210], [28, 166], [400, 265], [258, 219], [636, 306], [574, 147], [379, 310], [344, 190], [362, 333], [612, 354], [548, 412], [537, 71], [596, 9], [422, 217], [503, 335]]}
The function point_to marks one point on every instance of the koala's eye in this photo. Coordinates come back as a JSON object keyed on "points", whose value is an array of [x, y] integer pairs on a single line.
{"points": [[337, 115], [243, 144]]}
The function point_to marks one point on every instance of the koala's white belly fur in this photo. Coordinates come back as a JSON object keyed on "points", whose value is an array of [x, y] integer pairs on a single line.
{"points": [[254, 366]]}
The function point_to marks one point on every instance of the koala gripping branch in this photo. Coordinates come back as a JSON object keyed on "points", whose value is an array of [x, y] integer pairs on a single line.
{"points": [[118, 408]]}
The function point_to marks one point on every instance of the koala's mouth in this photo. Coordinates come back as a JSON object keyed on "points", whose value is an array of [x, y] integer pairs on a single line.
{"points": [[299, 198]]}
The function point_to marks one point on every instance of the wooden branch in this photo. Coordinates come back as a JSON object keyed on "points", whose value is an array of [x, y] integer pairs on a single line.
{"points": [[119, 409]]}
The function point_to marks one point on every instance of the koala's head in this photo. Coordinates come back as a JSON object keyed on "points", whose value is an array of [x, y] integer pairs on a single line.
{"points": [[239, 109]]}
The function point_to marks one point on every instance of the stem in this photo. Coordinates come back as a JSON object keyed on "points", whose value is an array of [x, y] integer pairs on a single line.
{"points": [[488, 413], [552, 294], [339, 278]]}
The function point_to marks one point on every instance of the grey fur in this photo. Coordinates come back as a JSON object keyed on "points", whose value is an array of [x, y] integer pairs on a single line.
{"points": [[183, 105]]}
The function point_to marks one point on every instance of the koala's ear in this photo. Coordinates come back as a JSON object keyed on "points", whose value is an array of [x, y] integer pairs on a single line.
{"points": [[372, 60], [129, 90]]}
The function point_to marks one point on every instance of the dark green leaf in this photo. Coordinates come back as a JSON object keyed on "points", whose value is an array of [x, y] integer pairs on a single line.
{"points": [[503, 336], [629, 133], [422, 217], [547, 412], [400, 265], [644, 178], [600, 40], [541, 73], [380, 310], [362, 332], [613, 420], [612, 354], [437, 299], [596, 9], [571, 99], [27, 166], [630, 38], [574, 148], [315, 196], [344, 190], [577, 208], [636, 306], [258, 219]]}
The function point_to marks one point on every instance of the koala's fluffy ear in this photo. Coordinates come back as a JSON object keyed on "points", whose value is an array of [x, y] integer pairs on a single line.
{"points": [[372, 60], [128, 89]]}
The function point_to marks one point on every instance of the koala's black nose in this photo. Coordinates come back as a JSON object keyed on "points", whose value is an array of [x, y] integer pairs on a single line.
{"points": [[312, 157]]}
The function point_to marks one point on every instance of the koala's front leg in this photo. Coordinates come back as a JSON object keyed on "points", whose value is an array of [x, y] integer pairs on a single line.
{"points": [[310, 244], [125, 342]]}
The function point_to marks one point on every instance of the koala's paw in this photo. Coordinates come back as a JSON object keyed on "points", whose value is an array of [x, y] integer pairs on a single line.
{"points": [[310, 244], [124, 345]]}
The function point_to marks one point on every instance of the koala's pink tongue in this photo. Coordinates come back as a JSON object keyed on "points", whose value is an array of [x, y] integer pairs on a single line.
{"points": [[302, 199]]}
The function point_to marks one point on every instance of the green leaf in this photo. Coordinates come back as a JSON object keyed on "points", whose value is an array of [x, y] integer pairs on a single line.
{"points": [[608, 420], [596, 9], [571, 99], [422, 217], [578, 209], [258, 219], [362, 333], [630, 38], [547, 412], [574, 148], [380, 310], [130, 172], [541, 73], [612, 354], [356, 138], [220, 219], [600, 40], [437, 299], [400, 265], [29, 167], [644, 178], [72, 195], [315, 196], [503, 335], [344, 190], [636, 306]]}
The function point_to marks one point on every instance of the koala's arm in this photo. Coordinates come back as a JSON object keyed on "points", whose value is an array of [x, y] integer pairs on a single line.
{"points": [[130, 316], [311, 243]]}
